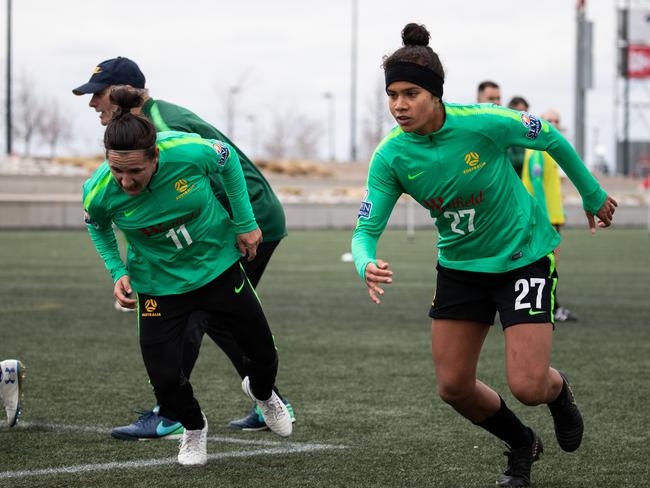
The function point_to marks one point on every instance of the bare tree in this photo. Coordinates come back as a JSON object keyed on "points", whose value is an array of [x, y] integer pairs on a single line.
{"points": [[230, 102], [295, 136], [277, 146], [54, 127], [308, 135], [29, 112], [376, 122]]}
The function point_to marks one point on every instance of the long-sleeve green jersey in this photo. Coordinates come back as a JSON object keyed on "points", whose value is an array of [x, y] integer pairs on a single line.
{"points": [[487, 221], [267, 208], [180, 237]]}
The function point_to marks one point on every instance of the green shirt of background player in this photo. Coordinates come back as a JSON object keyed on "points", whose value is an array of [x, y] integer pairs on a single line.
{"points": [[182, 258], [266, 207], [495, 245]]}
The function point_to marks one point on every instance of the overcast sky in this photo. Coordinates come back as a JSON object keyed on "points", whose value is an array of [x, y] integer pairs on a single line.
{"points": [[286, 53]]}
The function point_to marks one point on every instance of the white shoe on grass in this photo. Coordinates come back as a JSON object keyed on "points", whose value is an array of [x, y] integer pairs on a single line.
{"points": [[12, 376], [194, 446], [275, 412]]}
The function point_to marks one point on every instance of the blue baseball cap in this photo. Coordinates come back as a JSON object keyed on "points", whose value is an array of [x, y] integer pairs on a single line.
{"points": [[116, 71]]}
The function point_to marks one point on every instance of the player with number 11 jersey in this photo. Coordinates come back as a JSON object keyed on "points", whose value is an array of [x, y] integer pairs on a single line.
{"points": [[180, 237]]}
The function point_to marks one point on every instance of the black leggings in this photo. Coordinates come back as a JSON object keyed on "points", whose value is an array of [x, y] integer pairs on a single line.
{"points": [[200, 322], [163, 320]]}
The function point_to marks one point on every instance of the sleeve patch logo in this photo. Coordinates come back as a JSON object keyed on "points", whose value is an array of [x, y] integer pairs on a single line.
{"points": [[366, 207], [222, 150], [532, 123]]}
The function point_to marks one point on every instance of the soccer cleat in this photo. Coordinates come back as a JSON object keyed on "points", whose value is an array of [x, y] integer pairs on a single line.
{"points": [[517, 473], [12, 378], [275, 412], [563, 314], [567, 419], [194, 446], [253, 421], [149, 425]]}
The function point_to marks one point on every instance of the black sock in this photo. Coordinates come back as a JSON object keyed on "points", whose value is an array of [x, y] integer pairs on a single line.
{"points": [[505, 425]]}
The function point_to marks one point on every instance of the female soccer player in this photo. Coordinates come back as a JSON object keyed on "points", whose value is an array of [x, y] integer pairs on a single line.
{"points": [[183, 257], [495, 245]]}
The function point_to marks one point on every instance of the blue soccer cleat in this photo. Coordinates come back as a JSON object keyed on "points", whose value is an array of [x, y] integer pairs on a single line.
{"points": [[150, 425]]}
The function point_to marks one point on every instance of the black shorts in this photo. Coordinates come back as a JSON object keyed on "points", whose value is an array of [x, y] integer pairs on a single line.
{"points": [[230, 298], [524, 295]]}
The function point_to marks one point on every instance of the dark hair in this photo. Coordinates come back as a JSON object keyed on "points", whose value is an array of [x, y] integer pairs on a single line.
{"points": [[415, 38], [486, 84], [127, 131], [518, 101]]}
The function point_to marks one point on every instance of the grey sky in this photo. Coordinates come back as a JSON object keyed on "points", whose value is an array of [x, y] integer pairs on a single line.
{"points": [[289, 52]]}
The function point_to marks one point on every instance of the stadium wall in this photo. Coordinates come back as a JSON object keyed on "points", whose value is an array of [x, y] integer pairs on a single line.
{"points": [[47, 202]]}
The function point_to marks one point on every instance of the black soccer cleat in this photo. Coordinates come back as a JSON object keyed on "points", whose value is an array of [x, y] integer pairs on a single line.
{"points": [[517, 473], [567, 419]]}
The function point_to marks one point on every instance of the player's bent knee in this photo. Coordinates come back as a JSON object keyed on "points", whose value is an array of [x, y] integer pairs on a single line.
{"points": [[453, 393], [529, 393]]}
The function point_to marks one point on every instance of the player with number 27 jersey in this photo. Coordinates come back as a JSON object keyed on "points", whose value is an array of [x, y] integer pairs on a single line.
{"points": [[461, 173]]}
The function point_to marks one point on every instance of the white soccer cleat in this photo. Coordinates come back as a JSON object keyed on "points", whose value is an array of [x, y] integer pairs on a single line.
{"points": [[194, 446], [11, 388], [275, 412]]}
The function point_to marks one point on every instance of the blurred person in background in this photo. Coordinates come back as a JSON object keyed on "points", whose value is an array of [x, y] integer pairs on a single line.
{"points": [[12, 377], [183, 256], [488, 92], [541, 178], [266, 207], [495, 247]]}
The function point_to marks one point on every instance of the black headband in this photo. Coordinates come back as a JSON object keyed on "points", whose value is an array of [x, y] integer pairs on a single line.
{"points": [[414, 73]]}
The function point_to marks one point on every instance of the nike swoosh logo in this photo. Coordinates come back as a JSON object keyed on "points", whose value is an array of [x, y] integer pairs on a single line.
{"points": [[530, 312], [239, 288], [163, 430], [128, 213], [412, 177]]}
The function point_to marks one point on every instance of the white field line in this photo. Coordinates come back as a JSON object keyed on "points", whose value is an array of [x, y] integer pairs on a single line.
{"points": [[280, 448], [104, 430]]}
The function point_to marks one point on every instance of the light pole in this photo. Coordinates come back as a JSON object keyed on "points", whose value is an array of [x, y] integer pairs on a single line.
{"points": [[230, 111], [9, 129], [251, 119], [353, 82], [329, 96]]}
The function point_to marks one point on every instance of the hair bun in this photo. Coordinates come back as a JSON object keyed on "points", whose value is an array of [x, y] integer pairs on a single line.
{"points": [[125, 98], [415, 35]]}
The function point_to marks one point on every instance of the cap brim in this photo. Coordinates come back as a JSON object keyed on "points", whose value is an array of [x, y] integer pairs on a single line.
{"points": [[89, 88]]}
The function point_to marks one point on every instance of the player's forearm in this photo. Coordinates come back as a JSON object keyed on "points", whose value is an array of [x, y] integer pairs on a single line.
{"points": [[235, 185], [364, 249], [593, 196], [106, 246]]}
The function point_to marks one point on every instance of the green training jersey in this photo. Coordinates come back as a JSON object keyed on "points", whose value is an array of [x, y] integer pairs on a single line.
{"points": [[180, 237], [487, 221], [266, 206]]}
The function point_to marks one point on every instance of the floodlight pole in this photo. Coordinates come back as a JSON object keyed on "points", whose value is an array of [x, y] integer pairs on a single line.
{"points": [[626, 91], [329, 96], [353, 83], [8, 111], [583, 79]]}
